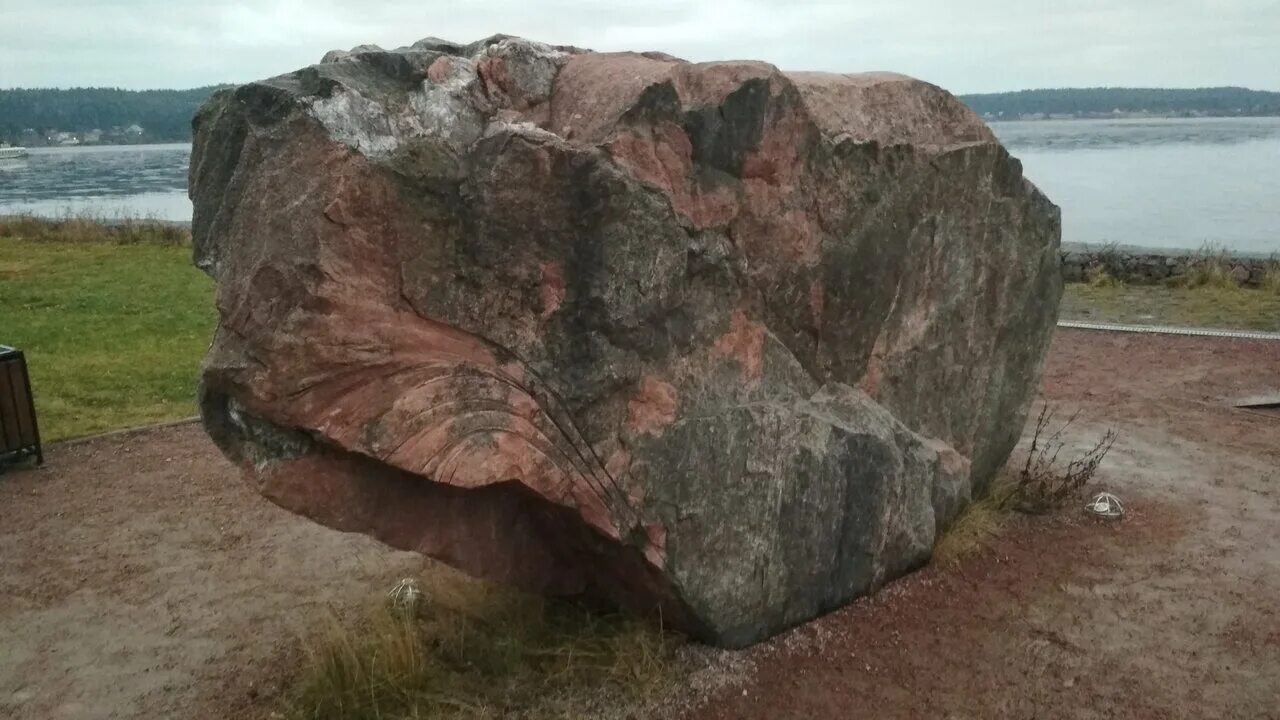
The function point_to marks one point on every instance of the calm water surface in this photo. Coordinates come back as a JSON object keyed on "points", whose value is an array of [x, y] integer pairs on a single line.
{"points": [[103, 180], [1161, 183], [1158, 183]]}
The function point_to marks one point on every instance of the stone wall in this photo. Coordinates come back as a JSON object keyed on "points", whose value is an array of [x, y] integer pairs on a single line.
{"points": [[1144, 266]]}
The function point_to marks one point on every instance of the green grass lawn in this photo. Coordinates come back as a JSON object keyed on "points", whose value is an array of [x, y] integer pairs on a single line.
{"points": [[1226, 307], [113, 331], [115, 320]]}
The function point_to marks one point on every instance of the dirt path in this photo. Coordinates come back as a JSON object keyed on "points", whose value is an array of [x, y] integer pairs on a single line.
{"points": [[140, 578]]}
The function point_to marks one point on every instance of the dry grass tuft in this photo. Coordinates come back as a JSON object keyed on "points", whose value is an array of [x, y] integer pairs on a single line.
{"points": [[1212, 269], [88, 229], [1271, 279], [977, 526], [475, 651], [1098, 276]]}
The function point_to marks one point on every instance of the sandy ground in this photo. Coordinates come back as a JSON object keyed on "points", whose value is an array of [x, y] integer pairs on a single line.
{"points": [[140, 578]]}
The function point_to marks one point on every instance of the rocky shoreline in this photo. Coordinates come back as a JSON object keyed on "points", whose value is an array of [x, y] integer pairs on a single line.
{"points": [[1146, 265]]}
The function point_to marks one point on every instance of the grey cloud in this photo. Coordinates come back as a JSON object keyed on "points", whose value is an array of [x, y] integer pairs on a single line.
{"points": [[966, 46]]}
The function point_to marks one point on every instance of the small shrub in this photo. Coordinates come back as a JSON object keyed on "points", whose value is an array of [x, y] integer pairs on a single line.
{"points": [[1043, 484], [1211, 269], [1109, 259], [1103, 267], [1271, 277], [475, 651], [1098, 276]]}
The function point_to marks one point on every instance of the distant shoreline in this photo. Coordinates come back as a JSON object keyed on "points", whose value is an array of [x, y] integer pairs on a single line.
{"points": [[152, 143], [60, 146], [985, 118], [1115, 103], [1094, 118], [53, 117]]}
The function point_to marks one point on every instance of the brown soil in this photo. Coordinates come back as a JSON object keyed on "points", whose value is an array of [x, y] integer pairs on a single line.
{"points": [[140, 578]]}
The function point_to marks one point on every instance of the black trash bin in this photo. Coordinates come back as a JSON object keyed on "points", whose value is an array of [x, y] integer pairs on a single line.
{"points": [[19, 433]]}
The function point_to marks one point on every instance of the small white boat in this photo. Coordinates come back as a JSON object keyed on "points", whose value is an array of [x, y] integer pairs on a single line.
{"points": [[11, 152]]}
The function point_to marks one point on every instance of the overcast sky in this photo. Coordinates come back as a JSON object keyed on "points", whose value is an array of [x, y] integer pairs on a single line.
{"points": [[963, 45]]}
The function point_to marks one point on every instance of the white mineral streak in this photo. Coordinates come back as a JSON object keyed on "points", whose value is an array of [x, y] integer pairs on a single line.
{"points": [[445, 109], [358, 122], [448, 110], [435, 110]]}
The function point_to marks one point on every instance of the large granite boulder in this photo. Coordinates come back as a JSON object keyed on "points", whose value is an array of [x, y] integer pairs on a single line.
{"points": [[710, 340]]}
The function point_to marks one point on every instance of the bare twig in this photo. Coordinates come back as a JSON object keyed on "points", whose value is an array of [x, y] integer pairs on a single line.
{"points": [[1041, 485]]}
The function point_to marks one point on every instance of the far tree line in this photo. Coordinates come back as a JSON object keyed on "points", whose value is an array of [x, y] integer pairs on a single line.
{"points": [[44, 116], [1103, 102], [41, 116]]}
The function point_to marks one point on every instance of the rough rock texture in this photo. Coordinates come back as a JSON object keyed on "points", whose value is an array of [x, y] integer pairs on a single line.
{"points": [[711, 340]]}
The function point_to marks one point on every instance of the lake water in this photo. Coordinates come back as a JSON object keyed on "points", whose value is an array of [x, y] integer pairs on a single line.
{"points": [[1159, 183], [103, 180]]}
